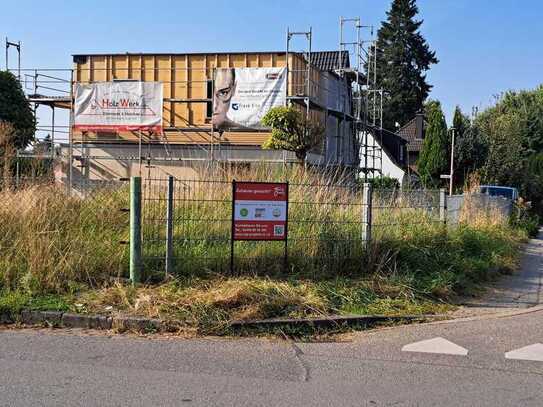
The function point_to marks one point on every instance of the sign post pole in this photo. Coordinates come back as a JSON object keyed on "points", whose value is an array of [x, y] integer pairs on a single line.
{"points": [[232, 227], [286, 235]]}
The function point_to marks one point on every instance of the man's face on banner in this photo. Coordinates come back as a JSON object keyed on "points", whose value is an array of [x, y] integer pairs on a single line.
{"points": [[225, 86]]}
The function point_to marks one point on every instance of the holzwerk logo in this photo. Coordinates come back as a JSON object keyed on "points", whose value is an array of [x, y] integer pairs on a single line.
{"points": [[120, 100]]}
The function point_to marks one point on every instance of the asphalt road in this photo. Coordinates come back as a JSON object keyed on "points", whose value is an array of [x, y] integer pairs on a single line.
{"points": [[58, 368], [62, 368]]}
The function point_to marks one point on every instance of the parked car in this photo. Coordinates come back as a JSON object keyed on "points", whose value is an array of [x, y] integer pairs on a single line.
{"points": [[496, 190]]}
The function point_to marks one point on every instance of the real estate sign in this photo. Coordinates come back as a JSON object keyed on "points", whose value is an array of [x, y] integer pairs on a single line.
{"points": [[118, 106], [242, 96], [260, 211]]}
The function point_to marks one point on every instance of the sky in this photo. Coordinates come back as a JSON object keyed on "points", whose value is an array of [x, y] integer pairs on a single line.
{"points": [[484, 47]]}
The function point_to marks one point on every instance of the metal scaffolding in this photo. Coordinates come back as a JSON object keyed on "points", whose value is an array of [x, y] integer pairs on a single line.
{"points": [[367, 97], [305, 95]]}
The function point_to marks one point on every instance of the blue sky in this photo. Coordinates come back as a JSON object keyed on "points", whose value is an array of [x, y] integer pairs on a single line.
{"points": [[484, 46]]}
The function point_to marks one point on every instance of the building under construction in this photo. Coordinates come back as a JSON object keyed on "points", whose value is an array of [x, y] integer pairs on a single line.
{"points": [[332, 88]]}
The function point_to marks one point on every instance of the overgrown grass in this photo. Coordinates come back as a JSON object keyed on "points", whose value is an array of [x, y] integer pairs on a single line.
{"points": [[49, 241], [59, 252]]}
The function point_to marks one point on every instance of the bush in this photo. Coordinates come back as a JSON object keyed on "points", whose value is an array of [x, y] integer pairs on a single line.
{"points": [[384, 182], [523, 218]]}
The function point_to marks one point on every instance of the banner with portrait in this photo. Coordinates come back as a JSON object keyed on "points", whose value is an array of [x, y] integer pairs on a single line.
{"points": [[242, 96]]}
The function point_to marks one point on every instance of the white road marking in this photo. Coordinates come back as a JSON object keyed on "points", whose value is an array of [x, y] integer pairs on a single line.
{"points": [[532, 352], [436, 345]]}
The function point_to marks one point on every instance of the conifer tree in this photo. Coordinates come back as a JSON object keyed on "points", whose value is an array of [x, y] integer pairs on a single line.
{"points": [[433, 159], [403, 58]]}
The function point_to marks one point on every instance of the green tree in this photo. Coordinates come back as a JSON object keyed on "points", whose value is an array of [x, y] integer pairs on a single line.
{"points": [[470, 147], [291, 131], [513, 131], [434, 160], [7, 147], [15, 109], [403, 58]]}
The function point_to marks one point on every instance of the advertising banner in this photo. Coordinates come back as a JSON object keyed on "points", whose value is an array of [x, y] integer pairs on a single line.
{"points": [[260, 211], [118, 106], [242, 96]]}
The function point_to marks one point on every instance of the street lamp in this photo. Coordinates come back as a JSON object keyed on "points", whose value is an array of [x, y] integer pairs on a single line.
{"points": [[450, 176]]}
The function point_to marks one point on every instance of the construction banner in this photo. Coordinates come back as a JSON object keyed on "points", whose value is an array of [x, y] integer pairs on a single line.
{"points": [[118, 106], [242, 96]]}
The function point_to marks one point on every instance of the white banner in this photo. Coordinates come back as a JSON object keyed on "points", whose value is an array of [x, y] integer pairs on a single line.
{"points": [[118, 106], [242, 96]]}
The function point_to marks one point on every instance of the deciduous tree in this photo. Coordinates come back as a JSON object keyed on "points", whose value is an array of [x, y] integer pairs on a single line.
{"points": [[291, 131], [470, 148], [15, 109]]}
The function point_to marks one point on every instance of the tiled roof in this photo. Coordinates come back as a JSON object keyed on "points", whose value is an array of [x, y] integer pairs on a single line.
{"points": [[330, 60], [409, 133]]}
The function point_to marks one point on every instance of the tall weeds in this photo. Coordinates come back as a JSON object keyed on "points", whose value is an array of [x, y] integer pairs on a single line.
{"points": [[51, 242]]}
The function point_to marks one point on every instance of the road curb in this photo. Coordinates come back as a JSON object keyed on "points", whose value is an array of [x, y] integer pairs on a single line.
{"points": [[497, 315], [138, 324], [334, 320], [60, 319]]}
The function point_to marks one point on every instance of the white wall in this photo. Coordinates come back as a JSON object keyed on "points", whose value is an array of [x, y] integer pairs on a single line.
{"points": [[389, 168]]}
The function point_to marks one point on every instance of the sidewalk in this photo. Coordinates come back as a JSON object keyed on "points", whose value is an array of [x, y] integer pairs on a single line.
{"points": [[523, 289]]}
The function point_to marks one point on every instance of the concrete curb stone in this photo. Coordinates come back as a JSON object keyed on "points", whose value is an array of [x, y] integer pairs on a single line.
{"points": [[53, 318], [136, 324], [70, 320], [6, 319]]}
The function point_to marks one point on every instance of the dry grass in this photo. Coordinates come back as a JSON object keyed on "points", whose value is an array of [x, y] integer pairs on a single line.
{"points": [[49, 241], [69, 246], [208, 304]]}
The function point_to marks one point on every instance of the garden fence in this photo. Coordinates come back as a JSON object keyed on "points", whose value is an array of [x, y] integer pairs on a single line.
{"points": [[183, 226], [186, 226]]}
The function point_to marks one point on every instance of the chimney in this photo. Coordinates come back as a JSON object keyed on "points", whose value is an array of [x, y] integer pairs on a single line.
{"points": [[419, 125]]}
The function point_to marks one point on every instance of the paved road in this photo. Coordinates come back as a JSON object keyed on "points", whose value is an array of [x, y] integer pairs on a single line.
{"points": [[484, 362], [52, 369]]}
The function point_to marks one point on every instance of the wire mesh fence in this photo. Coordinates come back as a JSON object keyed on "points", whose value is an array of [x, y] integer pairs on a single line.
{"points": [[324, 230], [53, 233]]}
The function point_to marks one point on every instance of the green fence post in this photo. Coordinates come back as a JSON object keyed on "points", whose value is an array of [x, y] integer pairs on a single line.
{"points": [[169, 227], [135, 229]]}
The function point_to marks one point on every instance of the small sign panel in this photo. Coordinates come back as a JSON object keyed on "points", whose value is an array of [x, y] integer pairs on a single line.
{"points": [[260, 211]]}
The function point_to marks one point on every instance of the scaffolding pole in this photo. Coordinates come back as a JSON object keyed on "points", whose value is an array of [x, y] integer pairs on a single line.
{"points": [[17, 46]]}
